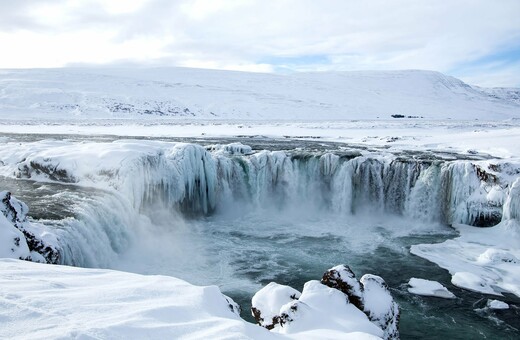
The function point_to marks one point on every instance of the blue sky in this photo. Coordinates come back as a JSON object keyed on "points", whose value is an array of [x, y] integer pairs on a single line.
{"points": [[475, 40]]}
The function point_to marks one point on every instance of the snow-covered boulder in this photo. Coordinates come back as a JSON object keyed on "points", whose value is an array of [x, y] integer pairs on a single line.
{"points": [[371, 295], [268, 301], [339, 303], [343, 279], [13, 209], [20, 238], [322, 307], [379, 305]]}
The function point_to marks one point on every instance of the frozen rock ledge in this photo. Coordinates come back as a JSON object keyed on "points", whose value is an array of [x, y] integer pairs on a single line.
{"points": [[339, 302], [22, 239]]}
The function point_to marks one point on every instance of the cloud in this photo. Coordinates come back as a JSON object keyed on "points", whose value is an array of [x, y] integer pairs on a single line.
{"points": [[269, 35]]}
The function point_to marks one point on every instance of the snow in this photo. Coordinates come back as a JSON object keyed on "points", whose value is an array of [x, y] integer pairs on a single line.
{"points": [[208, 94], [429, 288], [270, 299], [497, 138], [496, 304], [52, 301], [321, 307], [12, 241], [480, 259]]}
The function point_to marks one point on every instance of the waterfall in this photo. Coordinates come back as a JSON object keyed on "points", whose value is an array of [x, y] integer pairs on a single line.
{"points": [[141, 178]]}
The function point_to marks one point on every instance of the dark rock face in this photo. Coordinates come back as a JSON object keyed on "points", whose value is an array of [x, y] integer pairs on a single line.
{"points": [[343, 279], [50, 170], [281, 319], [16, 212]]}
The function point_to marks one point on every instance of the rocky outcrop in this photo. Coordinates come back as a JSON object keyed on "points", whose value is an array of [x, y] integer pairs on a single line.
{"points": [[339, 302], [15, 212], [343, 279], [370, 295]]}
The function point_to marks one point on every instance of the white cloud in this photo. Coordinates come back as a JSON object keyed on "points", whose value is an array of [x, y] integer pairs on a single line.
{"points": [[243, 34]]}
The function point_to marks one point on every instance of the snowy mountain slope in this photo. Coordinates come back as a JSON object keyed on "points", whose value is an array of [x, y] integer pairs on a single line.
{"points": [[503, 93], [208, 94]]}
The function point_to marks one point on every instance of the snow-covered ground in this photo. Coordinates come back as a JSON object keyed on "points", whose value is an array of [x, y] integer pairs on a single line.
{"points": [[497, 138], [51, 301], [192, 93]]}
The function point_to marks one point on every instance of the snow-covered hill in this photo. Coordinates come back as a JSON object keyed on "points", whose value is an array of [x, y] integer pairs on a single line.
{"points": [[208, 94]]}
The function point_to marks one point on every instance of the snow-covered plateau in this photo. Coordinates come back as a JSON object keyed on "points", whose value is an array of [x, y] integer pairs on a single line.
{"points": [[193, 93], [256, 184]]}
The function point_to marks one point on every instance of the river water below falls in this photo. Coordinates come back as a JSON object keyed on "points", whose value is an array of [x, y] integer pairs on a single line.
{"points": [[242, 247]]}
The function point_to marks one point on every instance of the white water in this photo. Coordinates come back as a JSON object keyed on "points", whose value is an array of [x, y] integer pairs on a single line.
{"points": [[155, 185]]}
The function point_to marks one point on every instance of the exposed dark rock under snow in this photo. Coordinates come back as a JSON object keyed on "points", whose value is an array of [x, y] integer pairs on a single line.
{"points": [[339, 301]]}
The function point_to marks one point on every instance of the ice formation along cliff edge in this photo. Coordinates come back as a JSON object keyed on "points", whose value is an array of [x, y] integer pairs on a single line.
{"points": [[137, 177]]}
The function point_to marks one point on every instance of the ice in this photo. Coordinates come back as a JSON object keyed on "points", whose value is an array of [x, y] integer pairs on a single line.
{"points": [[429, 288], [474, 282], [496, 304], [480, 259]]}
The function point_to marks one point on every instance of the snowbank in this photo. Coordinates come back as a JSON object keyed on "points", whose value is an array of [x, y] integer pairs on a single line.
{"points": [[50, 301], [481, 259]]}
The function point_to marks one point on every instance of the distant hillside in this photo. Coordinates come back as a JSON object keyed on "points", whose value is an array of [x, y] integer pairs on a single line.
{"points": [[209, 94]]}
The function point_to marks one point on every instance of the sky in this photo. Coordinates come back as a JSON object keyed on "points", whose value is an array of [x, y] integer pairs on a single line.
{"points": [[475, 40]]}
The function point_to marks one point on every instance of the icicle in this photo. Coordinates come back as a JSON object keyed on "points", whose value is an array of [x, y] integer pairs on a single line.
{"points": [[512, 204]]}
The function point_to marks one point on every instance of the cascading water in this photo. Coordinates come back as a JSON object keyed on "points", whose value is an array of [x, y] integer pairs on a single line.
{"points": [[229, 216], [189, 180]]}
